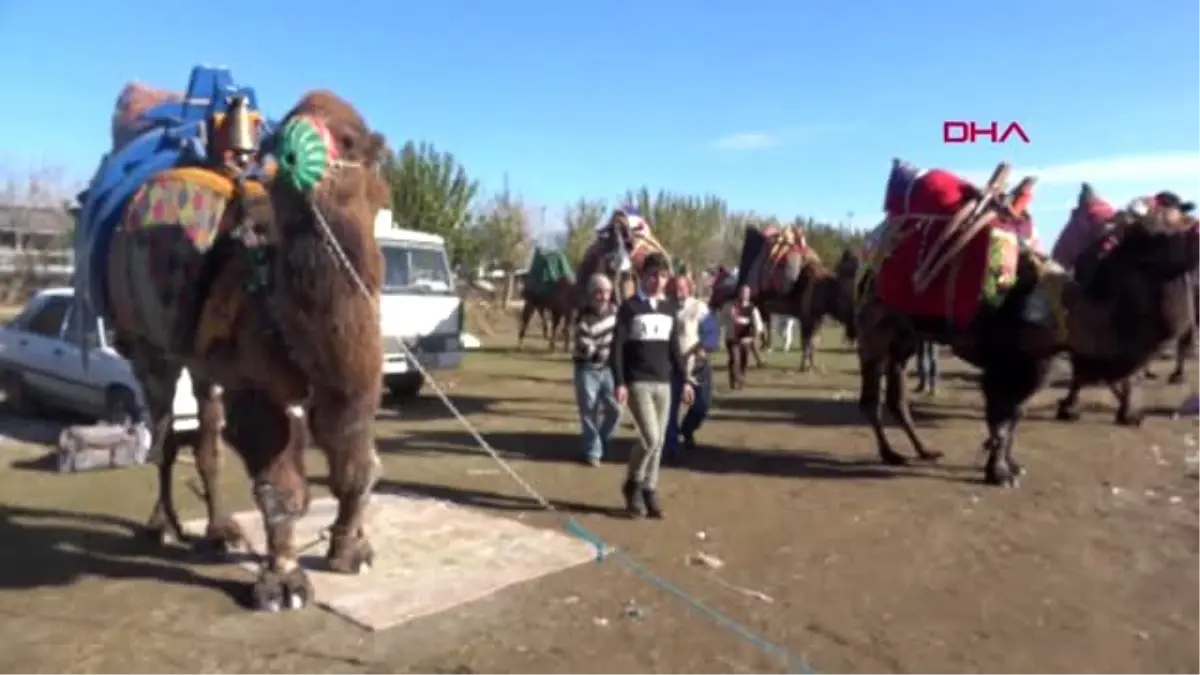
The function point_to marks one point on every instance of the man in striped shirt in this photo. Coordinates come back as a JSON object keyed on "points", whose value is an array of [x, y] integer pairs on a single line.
{"points": [[594, 390]]}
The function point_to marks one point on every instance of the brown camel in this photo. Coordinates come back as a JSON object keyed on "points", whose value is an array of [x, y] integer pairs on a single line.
{"points": [[1174, 216], [1118, 320], [558, 302], [789, 278], [268, 292]]}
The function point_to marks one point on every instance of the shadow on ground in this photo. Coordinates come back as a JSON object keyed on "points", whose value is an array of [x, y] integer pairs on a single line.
{"points": [[485, 499], [47, 547], [555, 447], [824, 411]]}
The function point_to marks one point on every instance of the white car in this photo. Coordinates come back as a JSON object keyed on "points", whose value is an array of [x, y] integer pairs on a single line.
{"points": [[40, 364]]}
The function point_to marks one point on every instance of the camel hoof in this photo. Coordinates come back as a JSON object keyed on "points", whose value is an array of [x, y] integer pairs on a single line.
{"points": [[220, 537], [1066, 413], [1004, 479], [157, 534], [892, 458], [276, 592], [932, 456], [1128, 419], [355, 557]]}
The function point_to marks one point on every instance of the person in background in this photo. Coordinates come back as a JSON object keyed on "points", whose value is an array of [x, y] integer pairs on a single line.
{"points": [[595, 393], [785, 326], [927, 367], [645, 356], [699, 337], [743, 325]]}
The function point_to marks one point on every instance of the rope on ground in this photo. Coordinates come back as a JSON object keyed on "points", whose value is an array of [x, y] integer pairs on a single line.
{"points": [[603, 550]]}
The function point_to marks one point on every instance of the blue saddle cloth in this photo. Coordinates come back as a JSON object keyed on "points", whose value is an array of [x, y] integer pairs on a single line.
{"points": [[172, 137]]}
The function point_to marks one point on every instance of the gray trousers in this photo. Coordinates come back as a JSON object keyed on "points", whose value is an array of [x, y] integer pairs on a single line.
{"points": [[650, 403]]}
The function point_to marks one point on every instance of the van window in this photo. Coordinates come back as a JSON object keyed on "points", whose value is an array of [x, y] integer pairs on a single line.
{"points": [[416, 269]]}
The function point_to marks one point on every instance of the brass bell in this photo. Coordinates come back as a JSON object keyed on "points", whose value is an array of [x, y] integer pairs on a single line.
{"points": [[239, 128]]}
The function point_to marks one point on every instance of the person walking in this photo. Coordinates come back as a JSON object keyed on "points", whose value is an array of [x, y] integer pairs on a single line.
{"points": [[743, 325], [645, 356], [927, 367], [785, 327], [595, 393], [699, 337]]}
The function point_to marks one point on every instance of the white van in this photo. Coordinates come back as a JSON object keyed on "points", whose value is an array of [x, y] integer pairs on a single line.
{"points": [[419, 308]]}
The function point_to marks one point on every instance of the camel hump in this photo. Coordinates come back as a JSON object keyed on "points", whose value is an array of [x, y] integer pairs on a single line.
{"points": [[135, 99]]}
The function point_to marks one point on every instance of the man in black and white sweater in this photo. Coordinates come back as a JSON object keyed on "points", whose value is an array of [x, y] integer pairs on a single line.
{"points": [[645, 356], [595, 393]]}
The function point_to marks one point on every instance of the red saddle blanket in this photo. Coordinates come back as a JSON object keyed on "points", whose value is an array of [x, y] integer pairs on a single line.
{"points": [[981, 273], [786, 253]]}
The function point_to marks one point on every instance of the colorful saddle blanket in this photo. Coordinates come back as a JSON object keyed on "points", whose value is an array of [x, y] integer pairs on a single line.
{"points": [[919, 207], [153, 132], [772, 259]]}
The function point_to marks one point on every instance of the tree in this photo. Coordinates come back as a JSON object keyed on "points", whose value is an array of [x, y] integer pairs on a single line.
{"points": [[432, 192], [583, 217], [502, 232]]}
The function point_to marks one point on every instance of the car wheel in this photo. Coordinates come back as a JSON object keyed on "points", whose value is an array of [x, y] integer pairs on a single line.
{"points": [[16, 394], [405, 387], [120, 406]]}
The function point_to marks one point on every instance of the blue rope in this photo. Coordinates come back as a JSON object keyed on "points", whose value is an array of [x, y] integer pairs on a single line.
{"points": [[603, 552]]}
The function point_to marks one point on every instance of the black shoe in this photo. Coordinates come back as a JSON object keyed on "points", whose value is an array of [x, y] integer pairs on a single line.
{"points": [[635, 506], [689, 442], [650, 500]]}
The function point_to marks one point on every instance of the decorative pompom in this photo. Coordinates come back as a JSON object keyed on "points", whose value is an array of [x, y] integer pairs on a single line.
{"points": [[305, 152]]}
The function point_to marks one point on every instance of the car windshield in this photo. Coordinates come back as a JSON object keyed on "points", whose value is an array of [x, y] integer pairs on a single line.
{"points": [[415, 269]]}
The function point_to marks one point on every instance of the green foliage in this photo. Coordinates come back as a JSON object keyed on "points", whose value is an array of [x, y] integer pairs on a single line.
{"points": [[432, 192], [502, 232], [583, 217]]}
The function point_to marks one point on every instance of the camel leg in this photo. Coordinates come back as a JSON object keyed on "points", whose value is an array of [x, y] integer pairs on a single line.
{"points": [[557, 328], [1129, 410], [1182, 349], [808, 333], [1007, 385], [898, 406], [526, 314], [344, 430], [223, 532], [1068, 406], [158, 376], [270, 441], [872, 407]]}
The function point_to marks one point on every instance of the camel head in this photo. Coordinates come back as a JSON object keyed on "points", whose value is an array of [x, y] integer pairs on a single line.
{"points": [[324, 147], [329, 177], [1151, 246]]}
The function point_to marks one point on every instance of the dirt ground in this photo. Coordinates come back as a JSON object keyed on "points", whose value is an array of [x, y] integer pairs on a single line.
{"points": [[1090, 566]]}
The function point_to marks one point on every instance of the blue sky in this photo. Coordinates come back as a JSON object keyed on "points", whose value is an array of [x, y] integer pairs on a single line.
{"points": [[781, 107]]}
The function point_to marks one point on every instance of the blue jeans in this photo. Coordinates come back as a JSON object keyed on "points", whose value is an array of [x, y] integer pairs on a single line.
{"points": [[599, 413], [696, 414]]}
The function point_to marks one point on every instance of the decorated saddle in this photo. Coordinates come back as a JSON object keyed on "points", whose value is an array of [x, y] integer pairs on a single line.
{"points": [[947, 248], [546, 268], [183, 170], [626, 228], [772, 259]]}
